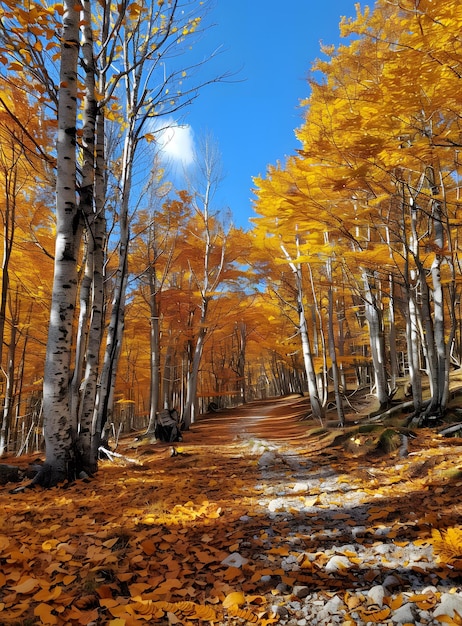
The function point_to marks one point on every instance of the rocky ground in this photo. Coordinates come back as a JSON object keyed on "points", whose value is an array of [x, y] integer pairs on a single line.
{"points": [[353, 536]]}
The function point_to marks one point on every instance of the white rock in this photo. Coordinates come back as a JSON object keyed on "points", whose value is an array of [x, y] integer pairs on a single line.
{"points": [[404, 615], [334, 605], [450, 602], [267, 459], [276, 505], [358, 530], [300, 487], [337, 562], [234, 560], [376, 594]]}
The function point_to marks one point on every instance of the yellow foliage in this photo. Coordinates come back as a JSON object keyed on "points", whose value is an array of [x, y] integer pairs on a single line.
{"points": [[447, 544]]}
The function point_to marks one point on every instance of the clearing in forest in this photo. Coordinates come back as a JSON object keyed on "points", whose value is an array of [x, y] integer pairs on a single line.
{"points": [[258, 517]]}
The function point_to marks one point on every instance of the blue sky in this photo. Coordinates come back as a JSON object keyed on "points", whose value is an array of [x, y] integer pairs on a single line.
{"points": [[270, 46]]}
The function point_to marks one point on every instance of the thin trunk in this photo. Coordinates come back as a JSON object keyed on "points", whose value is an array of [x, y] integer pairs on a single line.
{"points": [[316, 405], [168, 377], [242, 341], [332, 349], [154, 391], [193, 377], [9, 390], [377, 341]]}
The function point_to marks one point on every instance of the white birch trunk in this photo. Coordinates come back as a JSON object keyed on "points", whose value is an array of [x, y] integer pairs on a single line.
{"points": [[154, 391], [59, 423], [440, 397], [332, 348], [377, 342], [316, 404], [211, 277], [189, 412]]}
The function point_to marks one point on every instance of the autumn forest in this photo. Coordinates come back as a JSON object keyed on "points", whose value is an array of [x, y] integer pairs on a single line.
{"points": [[122, 295]]}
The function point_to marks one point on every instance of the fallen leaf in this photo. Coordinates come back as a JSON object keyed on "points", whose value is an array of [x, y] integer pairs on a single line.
{"points": [[234, 598], [26, 585]]}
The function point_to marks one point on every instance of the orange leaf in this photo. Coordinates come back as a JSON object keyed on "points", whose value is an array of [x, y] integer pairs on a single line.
{"points": [[44, 612], [26, 585], [374, 613], [234, 598], [45, 595], [4, 542], [148, 547]]}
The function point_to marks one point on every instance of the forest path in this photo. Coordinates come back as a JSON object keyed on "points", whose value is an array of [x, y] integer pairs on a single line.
{"points": [[259, 518], [276, 419]]}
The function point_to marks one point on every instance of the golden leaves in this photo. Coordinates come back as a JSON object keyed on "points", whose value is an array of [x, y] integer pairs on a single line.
{"points": [[374, 613], [235, 598], [447, 545], [455, 620]]}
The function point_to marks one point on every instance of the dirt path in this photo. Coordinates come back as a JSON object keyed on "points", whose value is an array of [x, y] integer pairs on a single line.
{"points": [[260, 518], [277, 419]]}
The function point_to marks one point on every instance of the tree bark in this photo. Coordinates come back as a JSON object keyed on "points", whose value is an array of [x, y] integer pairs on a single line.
{"points": [[377, 342], [60, 424]]}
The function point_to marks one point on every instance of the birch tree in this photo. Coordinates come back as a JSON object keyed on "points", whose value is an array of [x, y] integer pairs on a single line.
{"points": [[207, 278], [60, 425]]}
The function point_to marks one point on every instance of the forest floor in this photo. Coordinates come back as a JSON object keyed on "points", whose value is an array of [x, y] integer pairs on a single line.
{"points": [[260, 517]]}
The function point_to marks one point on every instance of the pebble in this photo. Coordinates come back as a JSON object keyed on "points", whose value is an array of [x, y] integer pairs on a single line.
{"points": [[405, 614], [234, 560], [337, 563], [300, 591], [449, 604]]}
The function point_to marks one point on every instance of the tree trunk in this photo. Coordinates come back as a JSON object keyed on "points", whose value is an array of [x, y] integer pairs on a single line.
{"points": [[60, 425], [440, 396], [333, 353], [9, 389], [377, 342], [91, 301], [154, 391], [193, 376], [316, 404]]}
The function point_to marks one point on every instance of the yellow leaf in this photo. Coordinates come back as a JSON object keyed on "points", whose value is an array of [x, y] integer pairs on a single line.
{"points": [[49, 545], [447, 619], [46, 595], [447, 545], [234, 598]]}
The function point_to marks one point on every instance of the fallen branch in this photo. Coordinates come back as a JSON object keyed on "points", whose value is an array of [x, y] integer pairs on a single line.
{"points": [[111, 455], [450, 429], [378, 416]]}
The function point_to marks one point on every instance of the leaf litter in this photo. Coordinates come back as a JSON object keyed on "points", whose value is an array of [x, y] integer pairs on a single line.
{"points": [[255, 520]]}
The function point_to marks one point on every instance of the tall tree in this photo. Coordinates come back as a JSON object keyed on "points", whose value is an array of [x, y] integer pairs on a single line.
{"points": [[60, 424]]}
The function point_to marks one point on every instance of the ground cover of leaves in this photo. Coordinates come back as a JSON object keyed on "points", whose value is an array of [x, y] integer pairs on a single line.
{"points": [[259, 518]]}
